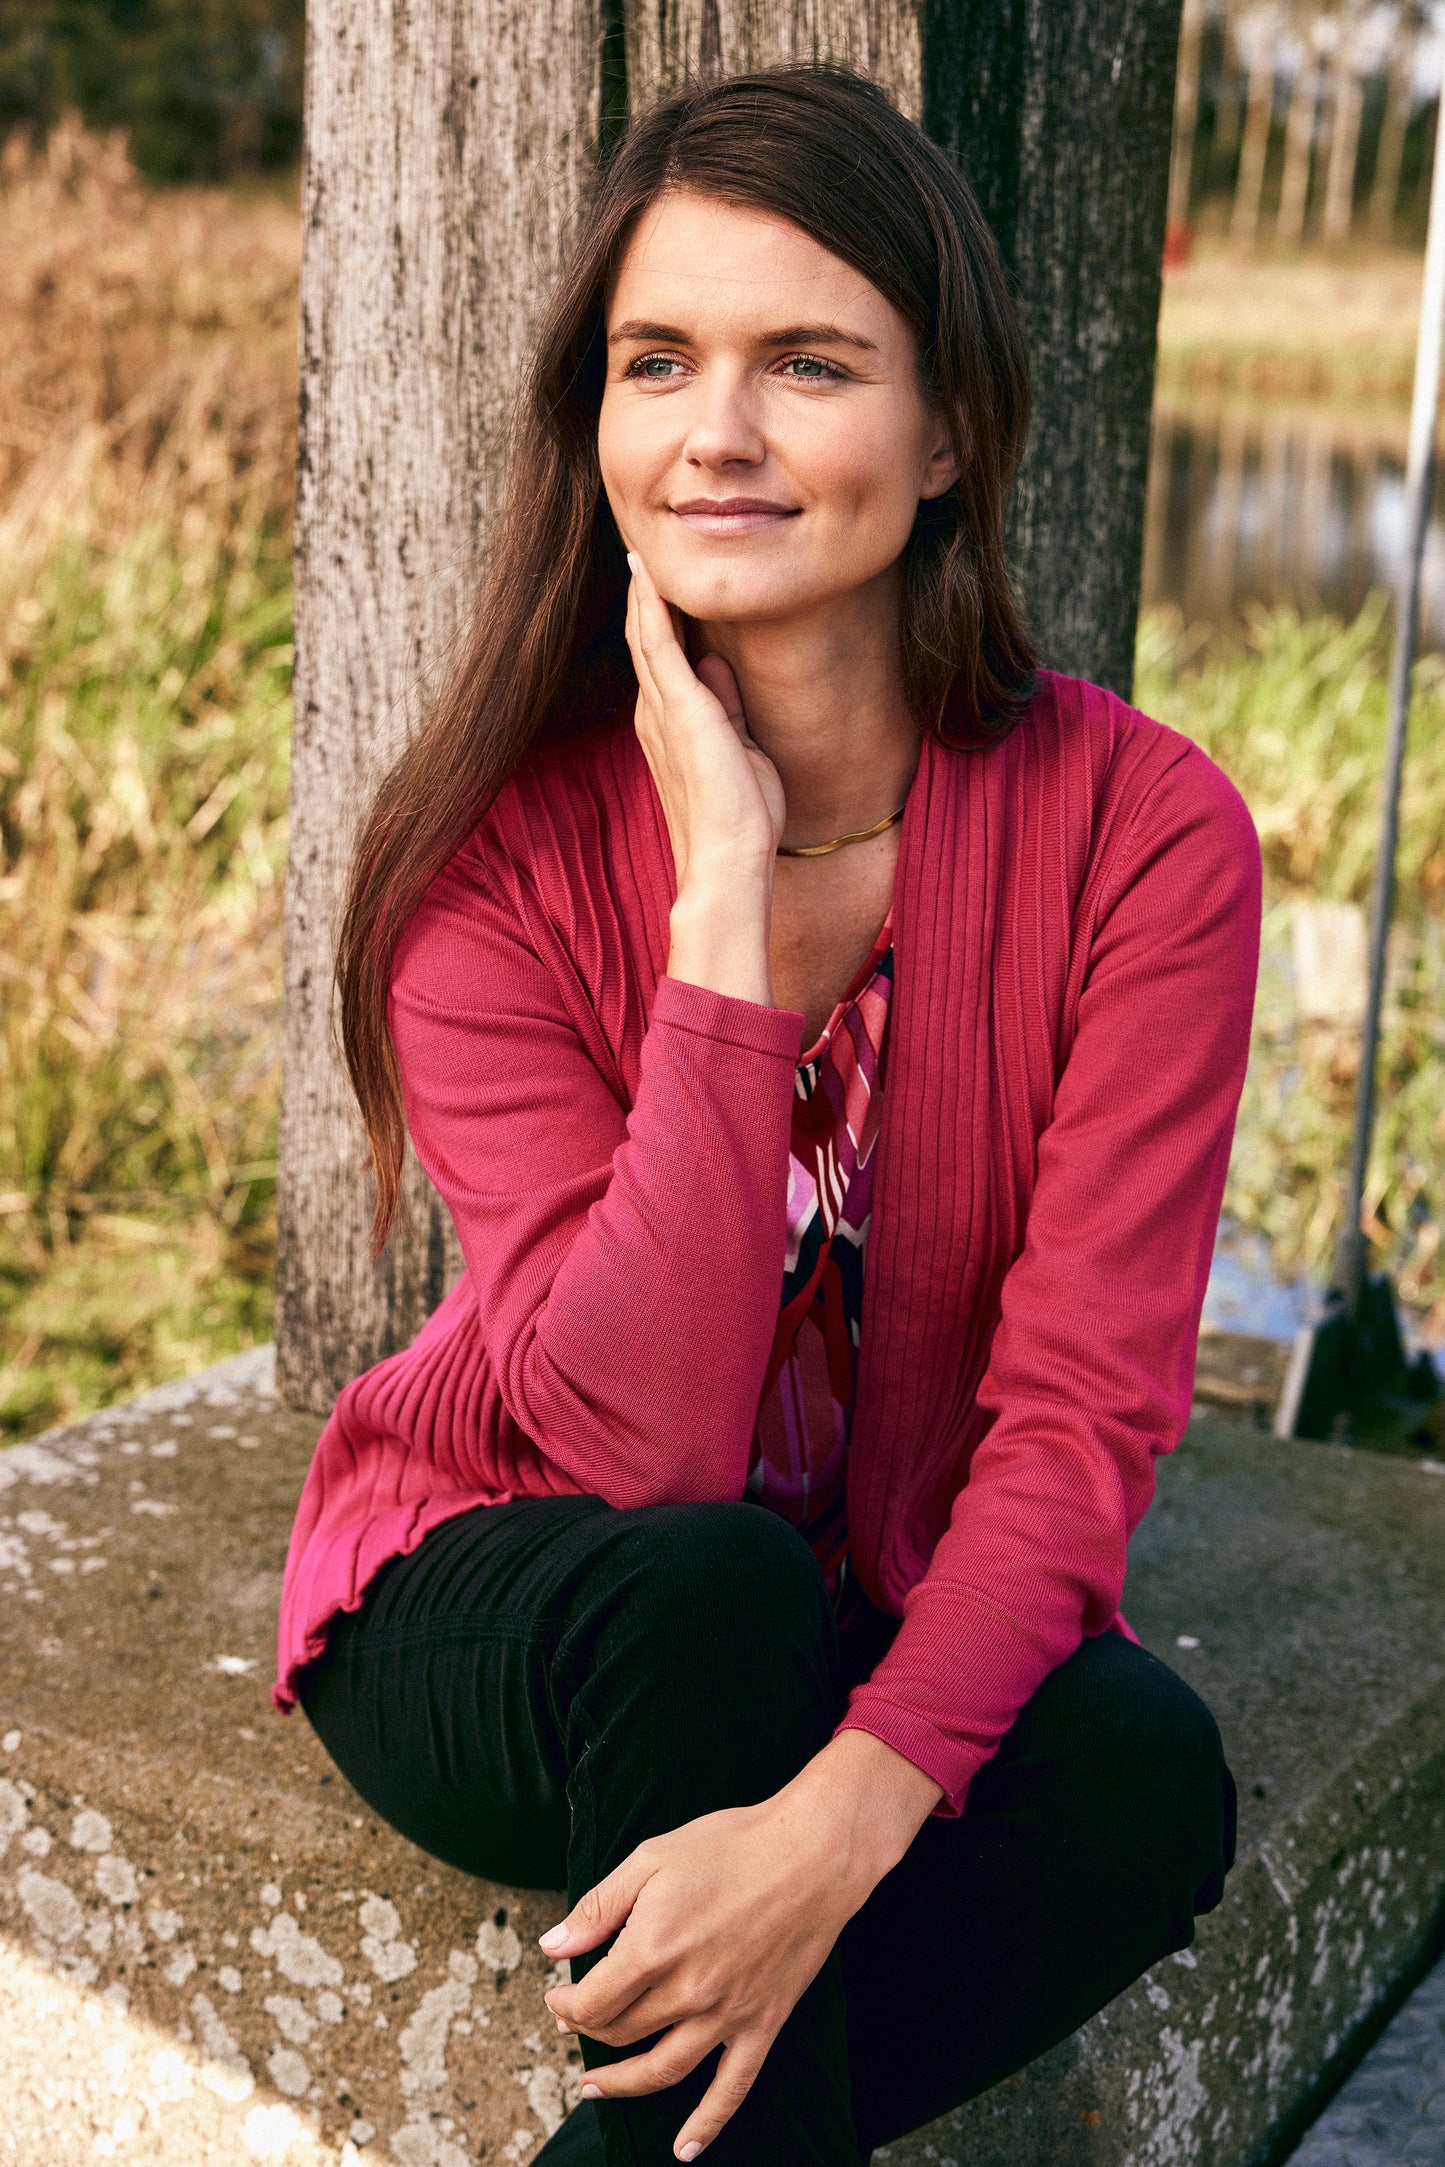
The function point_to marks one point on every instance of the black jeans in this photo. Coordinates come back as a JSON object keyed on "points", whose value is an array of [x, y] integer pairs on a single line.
{"points": [[544, 1684]]}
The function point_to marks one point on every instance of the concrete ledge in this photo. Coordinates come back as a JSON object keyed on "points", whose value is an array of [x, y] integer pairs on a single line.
{"points": [[1308, 1584], [1240, 1370], [243, 1963], [215, 1953]]}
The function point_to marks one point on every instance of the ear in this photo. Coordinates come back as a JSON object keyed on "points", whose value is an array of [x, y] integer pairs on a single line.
{"points": [[941, 467]]}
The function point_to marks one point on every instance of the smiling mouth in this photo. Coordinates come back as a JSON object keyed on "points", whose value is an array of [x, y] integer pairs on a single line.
{"points": [[732, 515]]}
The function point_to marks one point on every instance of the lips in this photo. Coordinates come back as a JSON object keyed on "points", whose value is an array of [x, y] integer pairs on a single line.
{"points": [[732, 515]]}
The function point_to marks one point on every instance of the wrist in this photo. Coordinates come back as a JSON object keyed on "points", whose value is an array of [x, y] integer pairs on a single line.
{"points": [[868, 1801], [719, 935], [715, 877]]}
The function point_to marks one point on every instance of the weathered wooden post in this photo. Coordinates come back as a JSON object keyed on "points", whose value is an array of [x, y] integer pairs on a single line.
{"points": [[445, 148], [1060, 112], [670, 40]]}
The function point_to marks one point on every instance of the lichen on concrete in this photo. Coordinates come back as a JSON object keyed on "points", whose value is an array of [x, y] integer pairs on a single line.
{"points": [[186, 1885]]}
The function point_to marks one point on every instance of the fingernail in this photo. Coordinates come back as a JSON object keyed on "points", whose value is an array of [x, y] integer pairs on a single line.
{"points": [[553, 1938], [564, 2026], [632, 564], [590, 2091], [690, 2151]]}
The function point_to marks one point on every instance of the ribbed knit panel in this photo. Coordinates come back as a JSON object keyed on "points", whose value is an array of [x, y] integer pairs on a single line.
{"points": [[1076, 923]]}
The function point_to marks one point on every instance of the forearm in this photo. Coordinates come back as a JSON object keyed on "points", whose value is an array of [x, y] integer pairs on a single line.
{"points": [[567, 1203], [654, 1401]]}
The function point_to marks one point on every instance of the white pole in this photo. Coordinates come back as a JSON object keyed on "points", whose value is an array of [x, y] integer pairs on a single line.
{"points": [[1419, 477]]}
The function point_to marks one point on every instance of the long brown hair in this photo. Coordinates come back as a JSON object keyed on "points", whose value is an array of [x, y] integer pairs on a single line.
{"points": [[545, 649]]}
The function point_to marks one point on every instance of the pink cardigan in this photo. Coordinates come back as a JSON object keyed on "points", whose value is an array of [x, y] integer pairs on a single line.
{"points": [[1076, 925]]}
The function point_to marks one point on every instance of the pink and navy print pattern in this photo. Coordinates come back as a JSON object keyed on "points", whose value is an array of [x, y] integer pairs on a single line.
{"points": [[798, 1465]]}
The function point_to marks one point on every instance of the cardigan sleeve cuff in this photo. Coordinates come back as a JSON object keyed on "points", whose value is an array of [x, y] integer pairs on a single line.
{"points": [[727, 1019], [950, 1764]]}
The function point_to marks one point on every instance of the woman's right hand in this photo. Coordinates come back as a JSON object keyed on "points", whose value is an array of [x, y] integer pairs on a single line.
{"points": [[721, 795]]}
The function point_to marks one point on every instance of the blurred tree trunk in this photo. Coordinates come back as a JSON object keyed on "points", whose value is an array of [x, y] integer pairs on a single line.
{"points": [[1299, 139], [1186, 119], [444, 147], [1229, 99], [1347, 103], [1253, 148], [1390, 151]]}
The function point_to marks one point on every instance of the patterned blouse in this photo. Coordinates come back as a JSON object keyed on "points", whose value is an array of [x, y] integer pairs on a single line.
{"points": [[799, 1458]]}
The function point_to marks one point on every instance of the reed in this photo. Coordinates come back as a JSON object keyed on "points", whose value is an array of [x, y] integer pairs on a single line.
{"points": [[1295, 712], [146, 379]]}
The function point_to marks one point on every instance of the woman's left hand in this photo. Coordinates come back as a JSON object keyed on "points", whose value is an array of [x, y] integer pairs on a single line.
{"points": [[725, 1922]]}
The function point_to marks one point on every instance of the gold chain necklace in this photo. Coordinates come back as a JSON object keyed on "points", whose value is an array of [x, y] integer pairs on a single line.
{"points": [[859, 835]]}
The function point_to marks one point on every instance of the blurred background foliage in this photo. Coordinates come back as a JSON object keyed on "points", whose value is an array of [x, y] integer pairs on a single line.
{"points": [[1294, 709], [207, 89], [147, 385], [149, 252]]}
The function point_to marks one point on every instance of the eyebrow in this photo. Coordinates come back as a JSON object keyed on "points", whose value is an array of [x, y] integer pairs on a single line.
{"points": [[792, 335]]}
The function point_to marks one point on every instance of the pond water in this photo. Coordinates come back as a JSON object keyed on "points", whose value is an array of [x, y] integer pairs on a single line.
{"points": [[1303, 508], [1245, 1296]]}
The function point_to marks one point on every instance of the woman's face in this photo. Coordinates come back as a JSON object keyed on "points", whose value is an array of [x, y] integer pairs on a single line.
{"points": [[764, 439]]}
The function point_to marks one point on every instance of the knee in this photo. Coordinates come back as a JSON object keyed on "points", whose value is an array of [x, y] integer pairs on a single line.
{"points": [[1149, 1765], [719, 1621], [709, 1667], [1181, 1796], [727, 1575], [1173, 1757]]}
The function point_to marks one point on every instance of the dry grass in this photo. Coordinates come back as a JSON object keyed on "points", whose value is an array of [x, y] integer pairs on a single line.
{"points": [[146, 385], [1272, 328]]}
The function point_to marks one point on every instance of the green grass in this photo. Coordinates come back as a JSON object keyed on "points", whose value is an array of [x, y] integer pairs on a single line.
{"points": [[1295, 713], [143, 733]]}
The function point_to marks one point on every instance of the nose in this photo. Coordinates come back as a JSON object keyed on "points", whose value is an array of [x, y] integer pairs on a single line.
{"points": [[724, 427]]}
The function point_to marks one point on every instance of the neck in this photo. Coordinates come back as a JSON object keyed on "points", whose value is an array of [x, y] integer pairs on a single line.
{"points": [[823, 697]]}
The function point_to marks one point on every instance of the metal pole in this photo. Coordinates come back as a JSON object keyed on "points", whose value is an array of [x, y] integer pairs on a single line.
{"points": [[1419, 476]]}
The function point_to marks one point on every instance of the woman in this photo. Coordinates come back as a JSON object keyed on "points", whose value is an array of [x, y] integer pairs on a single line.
{"points": [[751, 901]]}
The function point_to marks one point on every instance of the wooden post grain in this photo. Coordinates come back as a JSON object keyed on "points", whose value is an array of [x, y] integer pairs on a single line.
{"points": [[1060, 112], [445, 148]]}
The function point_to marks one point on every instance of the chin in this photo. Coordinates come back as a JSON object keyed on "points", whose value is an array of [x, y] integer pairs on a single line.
{"points": [[741, 596]]}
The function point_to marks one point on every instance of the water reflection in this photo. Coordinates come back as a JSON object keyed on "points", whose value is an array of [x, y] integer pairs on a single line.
{"points": [[1305, 509]]}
